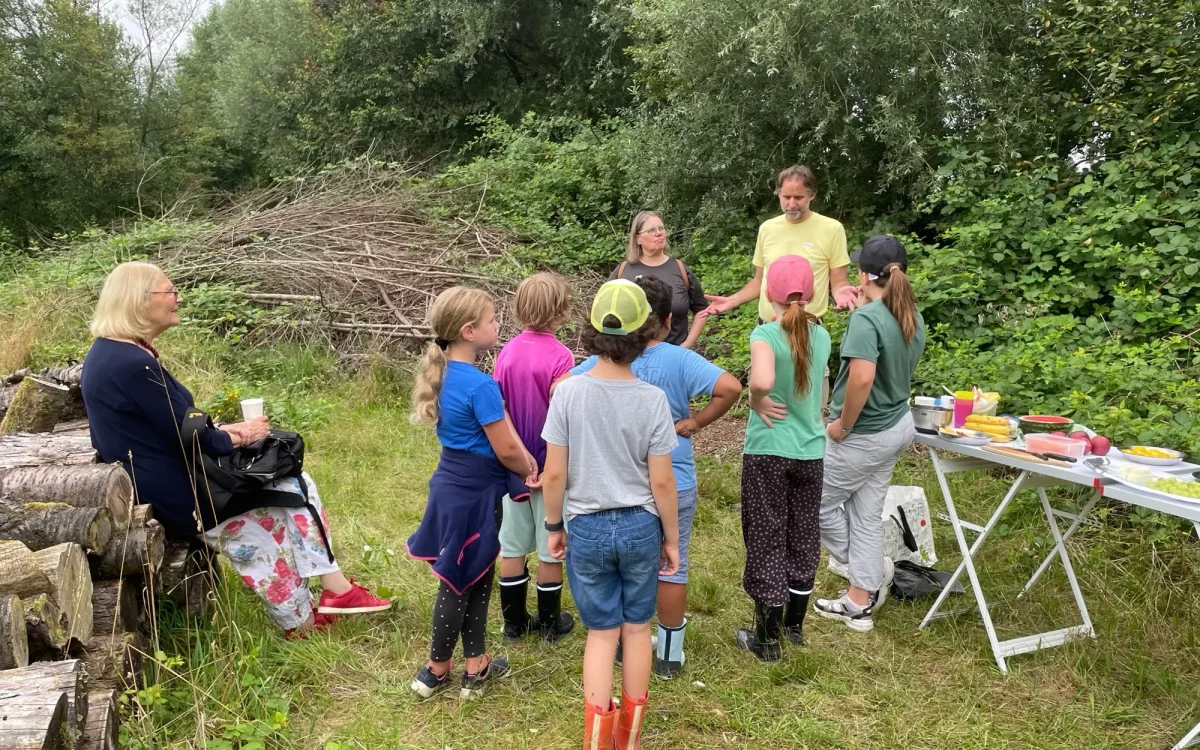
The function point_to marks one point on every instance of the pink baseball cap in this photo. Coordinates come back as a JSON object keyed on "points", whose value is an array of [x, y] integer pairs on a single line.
{"points": [[789, 275]]}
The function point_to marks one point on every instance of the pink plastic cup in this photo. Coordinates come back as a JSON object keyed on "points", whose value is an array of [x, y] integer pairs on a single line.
{"points": [[964, 404]]}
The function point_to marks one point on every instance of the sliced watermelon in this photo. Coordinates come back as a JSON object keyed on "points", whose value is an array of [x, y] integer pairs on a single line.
{"points": [[1043, 419]]}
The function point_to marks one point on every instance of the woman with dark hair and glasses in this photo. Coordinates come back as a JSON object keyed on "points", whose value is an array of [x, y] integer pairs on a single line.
{"points": [[646, 255]]}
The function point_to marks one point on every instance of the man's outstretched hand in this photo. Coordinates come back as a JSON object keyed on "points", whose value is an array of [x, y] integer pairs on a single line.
{"points": [[847, 297]]}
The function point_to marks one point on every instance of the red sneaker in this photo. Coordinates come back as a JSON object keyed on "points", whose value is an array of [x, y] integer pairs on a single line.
{"points": [[320, 622], [356, 601]]}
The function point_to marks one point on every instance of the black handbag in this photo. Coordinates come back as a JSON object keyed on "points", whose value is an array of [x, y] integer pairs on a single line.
{"points": [[238, 482]]}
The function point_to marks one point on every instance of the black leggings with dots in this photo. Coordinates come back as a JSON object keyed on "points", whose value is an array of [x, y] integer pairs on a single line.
{"points": [[466, 614], [781, 525]]}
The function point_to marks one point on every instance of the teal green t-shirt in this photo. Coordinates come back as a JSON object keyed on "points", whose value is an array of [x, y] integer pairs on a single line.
{"points": [[802, 434], [874, 335]]}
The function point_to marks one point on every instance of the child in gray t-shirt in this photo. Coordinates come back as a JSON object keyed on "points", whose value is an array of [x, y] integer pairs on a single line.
{"points": [[609, 438]]}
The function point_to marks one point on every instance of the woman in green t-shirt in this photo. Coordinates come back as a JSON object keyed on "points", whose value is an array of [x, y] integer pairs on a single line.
{"points": [[782, 461], [871, 428]]}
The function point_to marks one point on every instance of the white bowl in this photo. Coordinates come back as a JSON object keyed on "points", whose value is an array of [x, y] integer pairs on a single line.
{"points": [[1151, 461]]}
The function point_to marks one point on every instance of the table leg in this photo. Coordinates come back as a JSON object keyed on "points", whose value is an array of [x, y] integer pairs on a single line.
{"points": [[968, 562], [1061, 546], [1193, 735], [1079, 519]]}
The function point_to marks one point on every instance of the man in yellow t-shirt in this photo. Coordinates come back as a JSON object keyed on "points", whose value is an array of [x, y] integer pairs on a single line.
{"points": [[798, 231]]}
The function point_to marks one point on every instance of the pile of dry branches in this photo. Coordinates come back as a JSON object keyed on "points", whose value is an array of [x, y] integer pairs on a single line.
{"points": [[357, 254]]}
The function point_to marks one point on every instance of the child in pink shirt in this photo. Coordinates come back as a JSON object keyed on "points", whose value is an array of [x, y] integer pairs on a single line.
{"points": [[525, 369]]}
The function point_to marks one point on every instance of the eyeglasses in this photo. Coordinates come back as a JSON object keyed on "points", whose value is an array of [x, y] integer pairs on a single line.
{"points": [[656, 230], [170, 291]]}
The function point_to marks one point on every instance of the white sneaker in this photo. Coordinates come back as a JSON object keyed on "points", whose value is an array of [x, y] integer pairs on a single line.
{"points": [[844, 610]]}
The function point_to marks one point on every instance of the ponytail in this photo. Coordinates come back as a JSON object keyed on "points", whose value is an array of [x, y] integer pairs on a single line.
{"points": [[453, 309], [795, 322], [428, 386], [899, 299]]}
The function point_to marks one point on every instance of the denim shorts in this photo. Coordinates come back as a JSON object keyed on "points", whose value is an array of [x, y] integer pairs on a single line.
{"points": [[687, 513], [612, 566]]}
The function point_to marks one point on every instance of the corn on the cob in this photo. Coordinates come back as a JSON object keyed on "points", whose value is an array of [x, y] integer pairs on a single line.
{"points": [[986, 419]]}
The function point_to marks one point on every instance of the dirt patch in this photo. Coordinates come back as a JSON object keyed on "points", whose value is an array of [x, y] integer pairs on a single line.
{"points": [[722, 439]]}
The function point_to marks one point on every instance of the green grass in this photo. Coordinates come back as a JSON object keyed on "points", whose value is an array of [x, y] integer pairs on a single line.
{"points": [[896, 687]]}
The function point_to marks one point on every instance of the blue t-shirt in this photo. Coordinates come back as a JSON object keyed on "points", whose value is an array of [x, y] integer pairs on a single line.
{"points": [[469, 399], [683, 375]]}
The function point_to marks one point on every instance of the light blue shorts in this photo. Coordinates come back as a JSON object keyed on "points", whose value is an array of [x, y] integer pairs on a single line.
{"points": [[687, 513]]}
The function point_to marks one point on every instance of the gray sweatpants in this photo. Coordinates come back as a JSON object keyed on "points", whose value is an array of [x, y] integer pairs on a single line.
{"points": [[858, 471]]}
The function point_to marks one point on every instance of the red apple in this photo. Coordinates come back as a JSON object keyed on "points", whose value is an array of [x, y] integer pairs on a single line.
{"points": [[1082, 436], [1101, 445]]}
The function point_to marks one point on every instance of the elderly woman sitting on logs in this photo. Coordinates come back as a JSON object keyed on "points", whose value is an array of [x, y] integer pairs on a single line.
{"points": [[137, 410]]}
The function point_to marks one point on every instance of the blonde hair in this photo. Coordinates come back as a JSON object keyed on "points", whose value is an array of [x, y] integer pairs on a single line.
{"points": [[542, 299], [453, 309], [633, 251], [121, 309]]}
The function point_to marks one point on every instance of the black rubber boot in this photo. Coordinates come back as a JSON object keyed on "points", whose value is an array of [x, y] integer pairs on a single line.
{"points": [[517, 622], [793, 618], [553, 622], [763, 641]]}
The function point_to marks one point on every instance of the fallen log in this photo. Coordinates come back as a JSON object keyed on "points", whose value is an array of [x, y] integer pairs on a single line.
{"points": [[35, 407], [39, 724], [136, 552], [14, 644], [20, 574], [89, 486], [187, 578], [73, 427], [39, 685], [47, 629], [101, 730], [38, 450], [116, 606], [71, 587], [141, 514], [115, 662], [43, 525]]}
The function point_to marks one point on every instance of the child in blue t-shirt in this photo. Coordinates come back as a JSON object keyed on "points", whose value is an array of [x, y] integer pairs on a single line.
{"points": [[482, 460], [683, 375]]}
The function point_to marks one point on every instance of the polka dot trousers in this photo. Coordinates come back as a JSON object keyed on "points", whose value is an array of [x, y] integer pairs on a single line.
{"points": [[781, 525], [466, 615]]}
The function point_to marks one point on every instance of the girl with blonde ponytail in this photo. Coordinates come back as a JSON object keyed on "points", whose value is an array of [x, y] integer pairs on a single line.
{"points": [[871, 427], [482, 461], [783, 461]]}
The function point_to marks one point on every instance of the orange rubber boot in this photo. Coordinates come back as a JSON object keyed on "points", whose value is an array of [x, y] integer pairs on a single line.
{"points": [[629, 724], [598, 726]]}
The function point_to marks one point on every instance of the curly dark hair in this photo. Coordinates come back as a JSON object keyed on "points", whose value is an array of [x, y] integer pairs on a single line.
{"points": [[658, 295], [619, 349]]}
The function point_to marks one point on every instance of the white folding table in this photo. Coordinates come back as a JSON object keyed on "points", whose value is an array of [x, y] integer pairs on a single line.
{"points": [[1037, 476]]}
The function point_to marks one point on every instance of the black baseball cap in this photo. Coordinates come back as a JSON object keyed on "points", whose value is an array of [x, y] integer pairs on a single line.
{"points": [[879, 252]]}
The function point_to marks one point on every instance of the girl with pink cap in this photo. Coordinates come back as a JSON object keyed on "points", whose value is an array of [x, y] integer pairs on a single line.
{"points": [[783, 461]]}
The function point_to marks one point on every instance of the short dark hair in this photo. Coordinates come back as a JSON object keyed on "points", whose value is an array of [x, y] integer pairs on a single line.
{"points": [[658, 296], [797, 172], [619, 349]]}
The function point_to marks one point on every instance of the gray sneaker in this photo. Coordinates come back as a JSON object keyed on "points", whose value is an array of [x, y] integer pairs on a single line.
{"points": [[881, 595], [855, 617]]}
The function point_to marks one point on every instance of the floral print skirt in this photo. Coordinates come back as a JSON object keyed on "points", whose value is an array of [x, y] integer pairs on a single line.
{"points": [[275, 551]]}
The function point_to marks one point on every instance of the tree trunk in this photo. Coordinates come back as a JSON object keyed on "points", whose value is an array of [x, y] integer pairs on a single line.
{"points": [[40, 450], [116, 661], [43, 525], [51, 688], [89, 486], [37, 722], [35, 407], [142, 514], [14, 644], [66, 567], [116, 606], [20, 573], [101, 730], [47, 629], [187, 577], [134, 553]]}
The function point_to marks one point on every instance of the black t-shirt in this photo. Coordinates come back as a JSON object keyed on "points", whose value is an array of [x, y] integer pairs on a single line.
{"points": [[685, 296]]}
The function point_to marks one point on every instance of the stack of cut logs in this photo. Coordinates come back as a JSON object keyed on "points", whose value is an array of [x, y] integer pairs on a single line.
{"points": [[81, 569]]}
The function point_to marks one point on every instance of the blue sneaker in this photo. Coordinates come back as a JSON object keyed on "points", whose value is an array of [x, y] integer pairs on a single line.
{"points": [[427, 683], [474, 684]]}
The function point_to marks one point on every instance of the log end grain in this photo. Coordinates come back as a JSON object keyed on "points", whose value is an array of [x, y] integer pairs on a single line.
{"points": [[116, 661], [35, 407], [14, 643]]}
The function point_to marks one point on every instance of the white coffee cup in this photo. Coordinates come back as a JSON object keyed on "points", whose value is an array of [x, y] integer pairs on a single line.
{"points": [[252, 408]]}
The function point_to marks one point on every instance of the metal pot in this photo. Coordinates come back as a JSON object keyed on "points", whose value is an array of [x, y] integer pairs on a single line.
{"points": [[929, 419]]}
